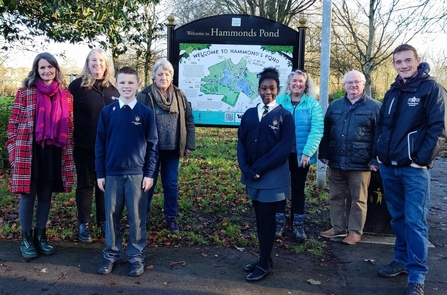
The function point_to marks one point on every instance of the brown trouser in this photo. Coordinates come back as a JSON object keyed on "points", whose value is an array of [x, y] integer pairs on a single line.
{"points": [[348, 191]]}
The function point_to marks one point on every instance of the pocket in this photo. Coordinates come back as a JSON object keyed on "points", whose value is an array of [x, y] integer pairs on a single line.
{"points": [[361, 152], [411, 139]]}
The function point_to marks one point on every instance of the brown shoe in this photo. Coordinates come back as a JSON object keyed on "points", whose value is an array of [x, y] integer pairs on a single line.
{"points": [[352, 239], [330, 233]]}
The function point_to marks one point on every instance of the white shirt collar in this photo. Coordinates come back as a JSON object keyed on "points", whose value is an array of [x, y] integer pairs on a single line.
{"points": [[130, 104], [271, 106]]}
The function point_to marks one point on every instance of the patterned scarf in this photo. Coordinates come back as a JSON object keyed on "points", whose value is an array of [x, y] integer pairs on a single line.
{"points": [[51, 115], [173, 104]]}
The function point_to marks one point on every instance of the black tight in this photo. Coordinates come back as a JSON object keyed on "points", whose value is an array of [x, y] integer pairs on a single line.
{"points": [[43, 189], [266, 226]]}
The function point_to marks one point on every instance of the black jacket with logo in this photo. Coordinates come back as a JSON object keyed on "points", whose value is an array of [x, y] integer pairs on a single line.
{"points": [[412, 121]]}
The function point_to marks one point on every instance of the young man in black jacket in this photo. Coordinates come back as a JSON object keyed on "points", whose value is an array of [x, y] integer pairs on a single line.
{"points": [[410, 132]]}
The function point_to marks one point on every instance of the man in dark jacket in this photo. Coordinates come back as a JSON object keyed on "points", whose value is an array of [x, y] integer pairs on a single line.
{"points": [[410, 132], [347, 143]]}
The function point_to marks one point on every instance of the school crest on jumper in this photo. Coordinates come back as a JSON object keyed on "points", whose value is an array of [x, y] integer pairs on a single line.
{"points": [[274, 125], [137, 120]]}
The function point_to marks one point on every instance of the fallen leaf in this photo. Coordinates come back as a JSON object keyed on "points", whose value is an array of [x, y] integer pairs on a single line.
{"points": [[62, 277], [204, 255], [372, 261], [239, 248], [112, 283], [150, 267], [44, 270], [182, 263], [313, 282]]}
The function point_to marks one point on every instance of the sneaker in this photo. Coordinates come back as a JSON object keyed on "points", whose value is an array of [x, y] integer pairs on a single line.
{"points": [[173, 225], [106, 267], [298, 231], [415, 289], [136, 269], [280, 222], [330, 233], [352, 239], [392, 269]]}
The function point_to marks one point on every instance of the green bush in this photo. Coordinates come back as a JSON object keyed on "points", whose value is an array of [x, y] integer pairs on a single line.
{"points": [[336, 95], [5, 112]]}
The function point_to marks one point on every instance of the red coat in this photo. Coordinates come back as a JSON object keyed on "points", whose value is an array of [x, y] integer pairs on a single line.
{"points": [[20, 140]]}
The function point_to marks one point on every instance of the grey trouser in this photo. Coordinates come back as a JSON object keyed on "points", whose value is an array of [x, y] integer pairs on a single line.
{"points": [[125, 191]]}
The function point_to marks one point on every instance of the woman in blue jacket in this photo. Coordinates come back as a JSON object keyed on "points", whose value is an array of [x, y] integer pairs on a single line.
{"points": [[309, 125], [265, 138]]}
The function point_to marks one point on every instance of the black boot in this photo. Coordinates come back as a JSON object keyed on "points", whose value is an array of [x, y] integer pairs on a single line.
{"points": [[40, 240], [27, 247], [85, 236]]}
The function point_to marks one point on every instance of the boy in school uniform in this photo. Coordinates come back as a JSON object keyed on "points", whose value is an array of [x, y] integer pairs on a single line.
{"points": [[126, 154]]}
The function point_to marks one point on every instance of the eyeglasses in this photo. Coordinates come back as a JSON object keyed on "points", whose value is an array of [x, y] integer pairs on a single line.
{"points": [[356, 82]]}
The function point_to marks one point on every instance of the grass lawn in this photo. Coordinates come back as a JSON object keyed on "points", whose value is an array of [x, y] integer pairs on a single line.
{"points": [[213, 206]]}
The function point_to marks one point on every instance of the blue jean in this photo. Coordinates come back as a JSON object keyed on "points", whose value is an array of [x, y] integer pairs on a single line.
{"points": [[168, 162], [119, 191], [407, 194]]}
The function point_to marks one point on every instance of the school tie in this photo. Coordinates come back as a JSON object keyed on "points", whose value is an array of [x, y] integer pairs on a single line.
{"points": [[266, 110], [126, 107]]}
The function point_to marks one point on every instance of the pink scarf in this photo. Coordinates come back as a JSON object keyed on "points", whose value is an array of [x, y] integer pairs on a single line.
{"points": [[51, 115]]}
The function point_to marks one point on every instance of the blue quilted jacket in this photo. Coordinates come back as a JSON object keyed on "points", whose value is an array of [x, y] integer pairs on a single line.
{"points": [[309, 124]]}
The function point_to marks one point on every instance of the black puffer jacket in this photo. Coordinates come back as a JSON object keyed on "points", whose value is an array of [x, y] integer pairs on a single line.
{"points": [[349, 133], [412, 122]]}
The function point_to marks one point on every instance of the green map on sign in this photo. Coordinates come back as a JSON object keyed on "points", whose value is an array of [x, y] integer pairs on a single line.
{"points": [[229, 79]]}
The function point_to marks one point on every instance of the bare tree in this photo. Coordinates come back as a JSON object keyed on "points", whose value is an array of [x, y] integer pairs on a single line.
{"points": [[438, 64], [191, 10], [282, 11], [366, 31]]}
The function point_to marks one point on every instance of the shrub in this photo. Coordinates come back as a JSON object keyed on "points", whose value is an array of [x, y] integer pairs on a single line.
{"points": [[5, 112], [337, 94]]}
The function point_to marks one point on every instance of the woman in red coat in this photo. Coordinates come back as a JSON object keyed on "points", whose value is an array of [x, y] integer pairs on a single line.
{"points": [[40, 146]]}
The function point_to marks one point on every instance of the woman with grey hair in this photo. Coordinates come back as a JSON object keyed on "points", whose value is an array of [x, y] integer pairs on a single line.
{"points": [[176, 134], [299, 99], [91, 92]]}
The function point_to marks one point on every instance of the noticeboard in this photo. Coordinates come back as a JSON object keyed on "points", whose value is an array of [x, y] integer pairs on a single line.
{"points": [[217, 59]]}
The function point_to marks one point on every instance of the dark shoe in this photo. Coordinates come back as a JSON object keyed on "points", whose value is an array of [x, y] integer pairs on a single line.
{"points": [[27, 246], [392, 269], [136, 269], [106, 267], [40, 240], [252, 266], [173, 225], [415, 289], [280, 222], [298, 231], [258, 274], [85, 236]]}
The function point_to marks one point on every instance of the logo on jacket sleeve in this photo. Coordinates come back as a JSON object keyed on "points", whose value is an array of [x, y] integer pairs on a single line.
{"points": [[413, 101]]}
